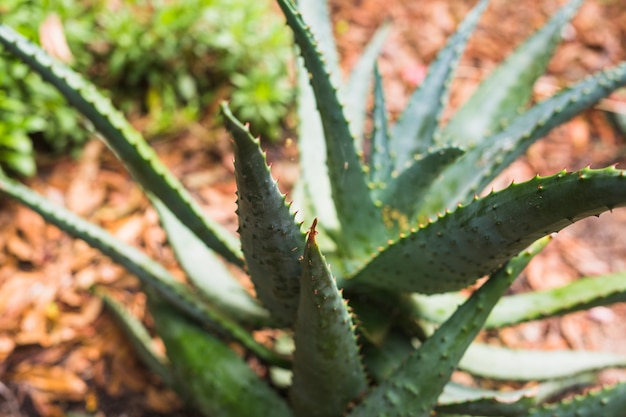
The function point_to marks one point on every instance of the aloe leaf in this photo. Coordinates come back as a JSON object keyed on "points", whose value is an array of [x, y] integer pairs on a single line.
{"points": [[356, 90], [399, 199], [480, 165], [139, 337], [381, 161], [457, 398], [136, 262], [376, 313], [327, 369], [528, 365], [139, 158], [383, 359], [608, 402], [509, 87], [206, 271], [270, 237], [413, 133], [452, 252], [434, 361], [317, 16], [349, 189], [208, 374], [582, 294], [315, 184]]}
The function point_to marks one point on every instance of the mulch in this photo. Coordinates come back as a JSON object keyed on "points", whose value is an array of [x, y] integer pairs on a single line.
{"points": [[60, 351]]}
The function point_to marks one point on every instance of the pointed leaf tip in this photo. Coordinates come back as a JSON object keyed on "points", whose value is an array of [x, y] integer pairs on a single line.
{"points": [[312, 233]]}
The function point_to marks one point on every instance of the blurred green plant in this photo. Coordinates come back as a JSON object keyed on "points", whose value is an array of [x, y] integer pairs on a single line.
{"points": [[177, 55], [167, 60]]}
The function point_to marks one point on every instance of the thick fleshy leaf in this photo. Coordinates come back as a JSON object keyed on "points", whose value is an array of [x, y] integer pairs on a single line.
{"points": [[314, 188], [414, 131], [403, 394], [509, 87], [151, 274], [139, 337], [270, 237], [138, 157], [582, 294], [480, 165], [382, 359], [350, 192], [399, 198], [381, 161], [608, 402], [316, 14], [327, 369], [529, 365], [460, 399], [207, 272], [460, 247], [356, 91], [208, 374]]}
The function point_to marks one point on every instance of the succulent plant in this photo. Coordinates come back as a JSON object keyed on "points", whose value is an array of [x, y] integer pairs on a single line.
{"points": [[402, 231]]}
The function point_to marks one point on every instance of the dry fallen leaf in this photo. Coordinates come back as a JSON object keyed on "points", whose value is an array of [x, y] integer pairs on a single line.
{"points": [[52, 38], [64, 384]]}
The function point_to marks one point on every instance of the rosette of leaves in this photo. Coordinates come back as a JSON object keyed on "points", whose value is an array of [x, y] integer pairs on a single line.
{"points": [[401, 237]]}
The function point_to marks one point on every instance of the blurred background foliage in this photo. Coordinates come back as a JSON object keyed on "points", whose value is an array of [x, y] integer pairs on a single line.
{"points": [[164, 61]]}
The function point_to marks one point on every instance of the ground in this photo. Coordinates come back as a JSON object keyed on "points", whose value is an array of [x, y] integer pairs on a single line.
{"points": [[59, 351]]}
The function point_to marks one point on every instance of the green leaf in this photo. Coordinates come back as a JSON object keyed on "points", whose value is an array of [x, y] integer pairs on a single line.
{"points": [[317, 17], [413, 133], [315, 188], [270, 237], [152, 274], [139, 158], [208, 273], [361, 223], [381, 160], [474, 240], [509, 87], [327, 369], [22, 163], [383, 359], [356, 91], [527, 365], [208, 374], [582, 294], [478, 401], [480, 165], [399, 198], [139, 338], [16, 140], [434, 361], [608, 402]]}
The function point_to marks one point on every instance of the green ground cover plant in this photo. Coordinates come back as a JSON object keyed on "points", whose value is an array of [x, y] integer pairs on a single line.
{"points": [[161, 59], [363, 293]]}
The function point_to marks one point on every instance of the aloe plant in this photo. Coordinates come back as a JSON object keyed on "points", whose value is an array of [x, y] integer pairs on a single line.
{"points": [[363, 293]]}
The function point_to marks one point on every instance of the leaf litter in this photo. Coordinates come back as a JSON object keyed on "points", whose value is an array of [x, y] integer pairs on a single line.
{"points": [[59, 351]]}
